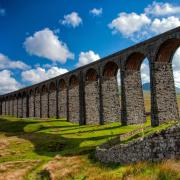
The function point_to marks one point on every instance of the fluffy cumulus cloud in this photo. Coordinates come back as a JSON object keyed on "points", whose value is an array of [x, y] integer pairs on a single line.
{"points": [[87, 57], [141, 26], [73, 19], [128, 24], [6, 63], [40, 74], [162, 9], [45, 43], [96, 12], [145, 72], [176, 67], [2, 12], [7, 82]]}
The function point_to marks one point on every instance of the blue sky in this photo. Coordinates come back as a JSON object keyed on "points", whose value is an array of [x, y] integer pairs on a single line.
{"points": [[41, 39]]}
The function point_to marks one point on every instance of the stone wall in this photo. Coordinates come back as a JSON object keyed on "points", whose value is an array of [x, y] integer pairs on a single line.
{"points": [[19, 107], [31, 106], [155, 147], [11, 107], [92, 105], [37, 105], [7, 107], [133, 108], [52, 104], [44, 105], [74, 104], [62, 103], [164, 94], [111, 100]]}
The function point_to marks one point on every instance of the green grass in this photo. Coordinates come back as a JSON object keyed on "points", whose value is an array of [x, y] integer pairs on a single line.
{"points": [[35, 139]]}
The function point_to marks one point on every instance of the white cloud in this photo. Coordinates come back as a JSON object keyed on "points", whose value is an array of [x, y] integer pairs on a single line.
{"points": [[72, 19], [96, 12], [145, 76], [6, 63], [161, 9], [7, 82], [128, 24], [176, 67], [2, 12], [86, 58], [46, 44], [40, 74], [159, 26]]}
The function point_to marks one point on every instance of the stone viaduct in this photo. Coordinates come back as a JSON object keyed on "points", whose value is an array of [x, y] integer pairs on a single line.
{"points": [[89, 94]]}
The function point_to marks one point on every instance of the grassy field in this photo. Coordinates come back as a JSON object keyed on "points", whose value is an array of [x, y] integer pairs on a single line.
{"points": [[32, 149]]}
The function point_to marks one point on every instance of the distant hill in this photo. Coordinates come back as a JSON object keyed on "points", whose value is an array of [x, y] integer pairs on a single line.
{"points": [[146, 87]]}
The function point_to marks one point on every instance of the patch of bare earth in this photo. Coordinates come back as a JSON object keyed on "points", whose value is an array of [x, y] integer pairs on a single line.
{"points": [[16, 170]]}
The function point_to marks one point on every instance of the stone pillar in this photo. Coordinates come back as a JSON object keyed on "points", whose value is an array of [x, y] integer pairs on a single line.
{"points": [[111, 100], [44, 104], [164, 102], [3, 108], [133, 109], [15, 107], [62, 102], [19, 107], [24, 106], [92, 102], [52, 104], [74, 103], [37, 104], [7, 107], [31, 105]]}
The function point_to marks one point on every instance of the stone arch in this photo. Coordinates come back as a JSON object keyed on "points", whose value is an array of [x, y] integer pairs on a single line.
{"points": [[73, 101], [110, 93], [133, 100], [7, 105], [92, 97], [52, 100], [44, 101], [15, 105], [31, 103], [164, 101], [19, 105], [62, 99], [37, 102], [10, 105]]}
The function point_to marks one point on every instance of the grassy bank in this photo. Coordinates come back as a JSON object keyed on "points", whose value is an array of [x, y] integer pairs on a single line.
{"points": [[31, 148]]}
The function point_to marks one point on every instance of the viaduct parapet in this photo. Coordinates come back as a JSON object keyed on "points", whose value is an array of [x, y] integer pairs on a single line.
{"points": [[89, 94]]}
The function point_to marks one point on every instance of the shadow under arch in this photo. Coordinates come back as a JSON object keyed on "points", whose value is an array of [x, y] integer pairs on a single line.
{"points": [[92, 114], [62, 99], [73, 100], [110, 93]]}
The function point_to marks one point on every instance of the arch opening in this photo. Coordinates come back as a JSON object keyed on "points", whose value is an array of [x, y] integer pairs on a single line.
{"points": [[110, 69]]}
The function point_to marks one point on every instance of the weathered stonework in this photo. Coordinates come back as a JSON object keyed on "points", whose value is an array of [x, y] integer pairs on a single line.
{"points": [[11, 107], [62, 103], [31, 105], [7, 107], [15, 107], [163, 93], [24, 106], [110, 97], [19, 107], [155, 147], [3, 108], [52, 104], [133, 98], [74, 104], [44, 105], [92, 107], [37, 105]]}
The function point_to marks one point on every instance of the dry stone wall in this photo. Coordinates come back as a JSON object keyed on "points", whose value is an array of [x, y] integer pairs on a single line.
{"points": [[52, 104], [155, 147], [111, 100], [92, 105]]}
